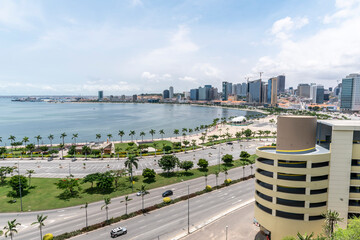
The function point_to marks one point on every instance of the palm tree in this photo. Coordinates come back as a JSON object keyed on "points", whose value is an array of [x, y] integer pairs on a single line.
{"points": [[238, 135], [63, 136], [86, 214], [107, 201], [225, 172], [216, 175], [25, 140], [152, 132], [132, 133], [12, 139], [126, 200], [109, 136], [11, 228], [205, 175], [75, 136], [331, 219], [162, 133], [98, 136], [142, 134], [121, 133], [0, 139], [305, 237], [155, 145], [40, 221], [260, 132], [267, 132], [184, 130], [129, 163], [176, 132], [190, 130], [29, 172], [51, 137], [143, 191], [193, 143]]}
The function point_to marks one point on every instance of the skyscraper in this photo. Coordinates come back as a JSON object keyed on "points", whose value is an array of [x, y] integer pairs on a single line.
{"points": [[280, 84], [225, 92], [254, 93], [350, 93], [303, 90], [100, 95], [320, 94], [171, 92], [166, 94], [194, 94]]}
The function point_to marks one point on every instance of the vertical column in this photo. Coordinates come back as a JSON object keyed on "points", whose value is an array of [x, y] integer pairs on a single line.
{"points": [[339, 175]]}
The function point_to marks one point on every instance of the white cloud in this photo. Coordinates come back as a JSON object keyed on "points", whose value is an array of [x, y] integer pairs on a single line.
{"points": [[18, 14], [208, 70], [188, 79], [283, 27], [345, 9], [329, 54], [148, 75]]}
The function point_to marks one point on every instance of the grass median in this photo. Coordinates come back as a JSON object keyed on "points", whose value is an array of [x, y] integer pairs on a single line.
{"points": [[44, 194]]}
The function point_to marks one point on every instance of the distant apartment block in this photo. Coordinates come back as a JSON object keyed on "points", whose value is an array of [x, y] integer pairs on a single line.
{"points": [[171, 92], [350, 93], [166, 94], [303, 90], [100, 95]]}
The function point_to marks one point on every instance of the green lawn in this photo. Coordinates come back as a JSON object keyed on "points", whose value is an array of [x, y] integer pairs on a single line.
{"points": [[45, 193]]}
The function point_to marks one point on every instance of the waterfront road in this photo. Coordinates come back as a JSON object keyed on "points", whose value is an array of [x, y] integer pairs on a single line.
{"points": [[81, 167], [171, 220]]}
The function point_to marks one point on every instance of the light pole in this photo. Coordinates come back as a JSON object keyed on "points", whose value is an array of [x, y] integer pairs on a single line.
{"points": [[188, 209], [219, 155], [21, 207], [69, 170], [226, 230]]}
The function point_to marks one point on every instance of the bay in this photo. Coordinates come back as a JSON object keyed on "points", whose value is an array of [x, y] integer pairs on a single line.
{"points": [[88, 119]]}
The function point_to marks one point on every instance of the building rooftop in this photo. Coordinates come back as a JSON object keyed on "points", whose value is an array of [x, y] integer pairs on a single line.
{"points": [[349, 125], [318, 150]]}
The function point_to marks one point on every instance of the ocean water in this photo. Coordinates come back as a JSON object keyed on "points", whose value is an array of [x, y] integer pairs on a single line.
{"points": [[88, 119]]}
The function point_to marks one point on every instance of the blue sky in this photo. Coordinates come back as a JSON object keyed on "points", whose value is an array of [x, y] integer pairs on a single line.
{"points": [[138, 46]]}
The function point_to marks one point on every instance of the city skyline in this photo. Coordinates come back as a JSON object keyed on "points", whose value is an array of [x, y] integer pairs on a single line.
{"points": [[139, 46]]}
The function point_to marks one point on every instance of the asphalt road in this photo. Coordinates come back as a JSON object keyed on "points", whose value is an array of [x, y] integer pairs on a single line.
{"points": [[73, 218], [169, 222], [63, 168]]}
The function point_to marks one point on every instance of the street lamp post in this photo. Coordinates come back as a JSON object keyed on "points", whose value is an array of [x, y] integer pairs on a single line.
{"points": [[226, 230], [188, 209], [219, 155], [21, 206], [69, 170]]}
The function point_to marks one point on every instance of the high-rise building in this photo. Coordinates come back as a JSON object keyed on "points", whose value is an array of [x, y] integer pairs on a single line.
{"points": [[166, 94], [313, 89], [171, 92], [319, 94], [254, 93], [272, 91], [194, 94], [229, 88], [204, 93], [243, 89], [303, 90], [100, 95], [134, 98], [213, 94], [297, 180], [280, 84], [224, 91], [350, 93]]}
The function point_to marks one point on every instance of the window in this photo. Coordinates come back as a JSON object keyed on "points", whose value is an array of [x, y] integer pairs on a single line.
{"points": [[291, 177], [321, 164], [354, 203], [293, 190], [318, 191], [355, 189], [290, 203], [288, 215], [265, 185], [292, 164], [355, 162], [319, 178], [265, 209], [266, 161], [317, 204], [264, 196], [317, 217], [355, 176], [265, 173]]}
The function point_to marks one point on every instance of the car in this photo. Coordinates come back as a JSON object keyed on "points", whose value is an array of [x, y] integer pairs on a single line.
{"points": [[167, 193], [118, 232], [139, 193], [229, 143]]}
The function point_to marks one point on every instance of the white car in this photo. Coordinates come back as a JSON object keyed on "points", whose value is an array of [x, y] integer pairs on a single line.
{"points": [[139, 193], [118, 232]]}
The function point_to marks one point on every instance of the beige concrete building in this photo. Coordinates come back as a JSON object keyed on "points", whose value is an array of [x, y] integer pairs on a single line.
{"points": [[314, 167]]}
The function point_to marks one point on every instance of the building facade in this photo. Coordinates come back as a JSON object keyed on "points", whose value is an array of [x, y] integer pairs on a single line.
{"points": [[350, 93], [314, 167], [100, 95], [166, 94], [171, 92], [254, 94], [280, 84], [194, 94], [303, 90]]}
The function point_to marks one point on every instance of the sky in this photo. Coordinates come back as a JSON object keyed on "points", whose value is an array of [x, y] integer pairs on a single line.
{"points": [[64, 47]]}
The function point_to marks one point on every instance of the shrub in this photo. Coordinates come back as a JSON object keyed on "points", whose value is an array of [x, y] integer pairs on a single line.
{"points": [[227, 159], [166, 200], [48, 236], [14, 183], [203, 164], [148, 173], [208, 188], [167, 148], [186, 165], [227, 181], [95, 151]]}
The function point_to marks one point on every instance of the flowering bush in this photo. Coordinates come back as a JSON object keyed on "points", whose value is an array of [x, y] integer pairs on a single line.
{"points": [[166, 200], [227, 181], [48, 236], [208, 188]]}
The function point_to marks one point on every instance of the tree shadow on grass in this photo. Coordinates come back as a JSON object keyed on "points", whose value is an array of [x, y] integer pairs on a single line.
{"points": [[168, 175], [149, 180], [95, 190], [66, 196], [186, 174], [203, 169], [14, 194]]}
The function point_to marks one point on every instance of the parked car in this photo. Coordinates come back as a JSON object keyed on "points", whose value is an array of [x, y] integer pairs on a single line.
{"points": [[167, 193], [229, 143], [118, 232]]}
